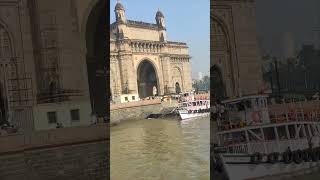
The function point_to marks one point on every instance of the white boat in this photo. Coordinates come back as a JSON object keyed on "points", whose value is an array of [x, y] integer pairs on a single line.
{"points": [[194, 108], [251, 144]]}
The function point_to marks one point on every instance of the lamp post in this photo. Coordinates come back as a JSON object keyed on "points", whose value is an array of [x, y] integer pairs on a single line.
{"points": [[277, 74]]}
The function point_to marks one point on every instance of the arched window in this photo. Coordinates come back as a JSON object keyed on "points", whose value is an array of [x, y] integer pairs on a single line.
{"points": [[178, 89], [5, 46]]}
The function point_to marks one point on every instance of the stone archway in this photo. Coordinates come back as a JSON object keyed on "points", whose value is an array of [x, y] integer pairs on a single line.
{"points": [[97, 66], [147, 79], [177, 78], [3, 106], [221, 54], [8, 71]]}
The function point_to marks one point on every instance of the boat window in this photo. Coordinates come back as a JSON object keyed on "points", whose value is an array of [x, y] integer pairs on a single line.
{"points": [[282, 132], [239, 137], [254, 134], [269, 133], [292, 131], [232, 107], [240, 107], [307, 131], [301, 134], [313, 133], [226, 139], [299, 115], [248, 104]]}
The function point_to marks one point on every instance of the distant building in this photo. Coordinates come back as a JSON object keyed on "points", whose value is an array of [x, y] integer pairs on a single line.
{"points": [[302, 77], [200, 75], [288, 45]]}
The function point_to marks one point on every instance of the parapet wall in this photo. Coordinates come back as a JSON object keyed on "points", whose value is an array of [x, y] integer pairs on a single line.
{"points": [[77, 153]]}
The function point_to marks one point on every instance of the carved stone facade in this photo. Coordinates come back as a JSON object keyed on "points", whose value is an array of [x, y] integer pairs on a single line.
{"points": [[141, 49], [44, 55], [234, 47]]}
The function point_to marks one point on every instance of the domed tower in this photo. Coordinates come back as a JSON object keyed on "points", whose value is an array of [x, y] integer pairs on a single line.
{"points": [[120, 13], [121, 20], [161, 26], [160, 19]]}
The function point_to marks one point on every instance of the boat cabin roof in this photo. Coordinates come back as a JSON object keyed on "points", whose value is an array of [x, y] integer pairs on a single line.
{"points": [[187, 102], [264, 126], [237, 100]]}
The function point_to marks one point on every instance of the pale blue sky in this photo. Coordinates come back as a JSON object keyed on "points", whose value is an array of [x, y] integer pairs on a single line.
{"points": [[186, 20]]}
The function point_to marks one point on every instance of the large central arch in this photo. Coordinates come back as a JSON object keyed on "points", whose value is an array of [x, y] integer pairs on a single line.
{"points": [[221, 55], [147, 79], [97, 65]]}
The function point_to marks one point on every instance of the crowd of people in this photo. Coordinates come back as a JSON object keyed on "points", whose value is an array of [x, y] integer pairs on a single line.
{"points": [[217, 110]]}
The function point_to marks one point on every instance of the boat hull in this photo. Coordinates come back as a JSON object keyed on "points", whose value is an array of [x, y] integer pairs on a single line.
{"points": [[238, 168], [185, 115]]}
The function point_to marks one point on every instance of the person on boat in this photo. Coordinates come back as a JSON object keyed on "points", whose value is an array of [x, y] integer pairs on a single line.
{"points": [[214, 109]]}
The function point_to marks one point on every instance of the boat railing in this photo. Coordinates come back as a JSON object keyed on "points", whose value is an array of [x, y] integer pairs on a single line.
{"points": [[234, 148], [267, 147]]}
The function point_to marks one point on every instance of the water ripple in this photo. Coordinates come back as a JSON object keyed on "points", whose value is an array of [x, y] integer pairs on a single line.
{"points": [[160, 150]]}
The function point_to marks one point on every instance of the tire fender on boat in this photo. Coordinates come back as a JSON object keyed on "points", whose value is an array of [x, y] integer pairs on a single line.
{"points": [[256, 158], [287, 158], [297, 156], [273, 157], [315, 155], [306, 155], [318, 151]]}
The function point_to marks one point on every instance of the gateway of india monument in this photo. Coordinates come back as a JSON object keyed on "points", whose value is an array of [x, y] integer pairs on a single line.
{"points": [[143, 62]]}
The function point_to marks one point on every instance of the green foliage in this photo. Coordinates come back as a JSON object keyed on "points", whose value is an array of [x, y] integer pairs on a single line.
{"points": [[202, 85]]}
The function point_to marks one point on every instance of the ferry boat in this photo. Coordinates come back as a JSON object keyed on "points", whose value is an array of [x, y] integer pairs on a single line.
{"points": [[193, 109], [254, 143]]}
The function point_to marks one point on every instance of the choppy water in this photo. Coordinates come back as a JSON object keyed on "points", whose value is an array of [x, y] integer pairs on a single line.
{"points": [[160, 150]]}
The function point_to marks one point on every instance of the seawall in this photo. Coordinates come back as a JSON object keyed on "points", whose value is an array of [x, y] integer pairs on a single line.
{"points": [[77, 153], [136, 110]]}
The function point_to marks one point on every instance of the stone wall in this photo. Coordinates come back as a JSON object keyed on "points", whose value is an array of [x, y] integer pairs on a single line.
{"points": [[134, 110], [235, 50], [80, 153]]}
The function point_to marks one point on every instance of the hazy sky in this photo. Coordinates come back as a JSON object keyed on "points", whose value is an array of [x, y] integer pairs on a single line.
{"points": [[275, 17], [186, 20]]}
